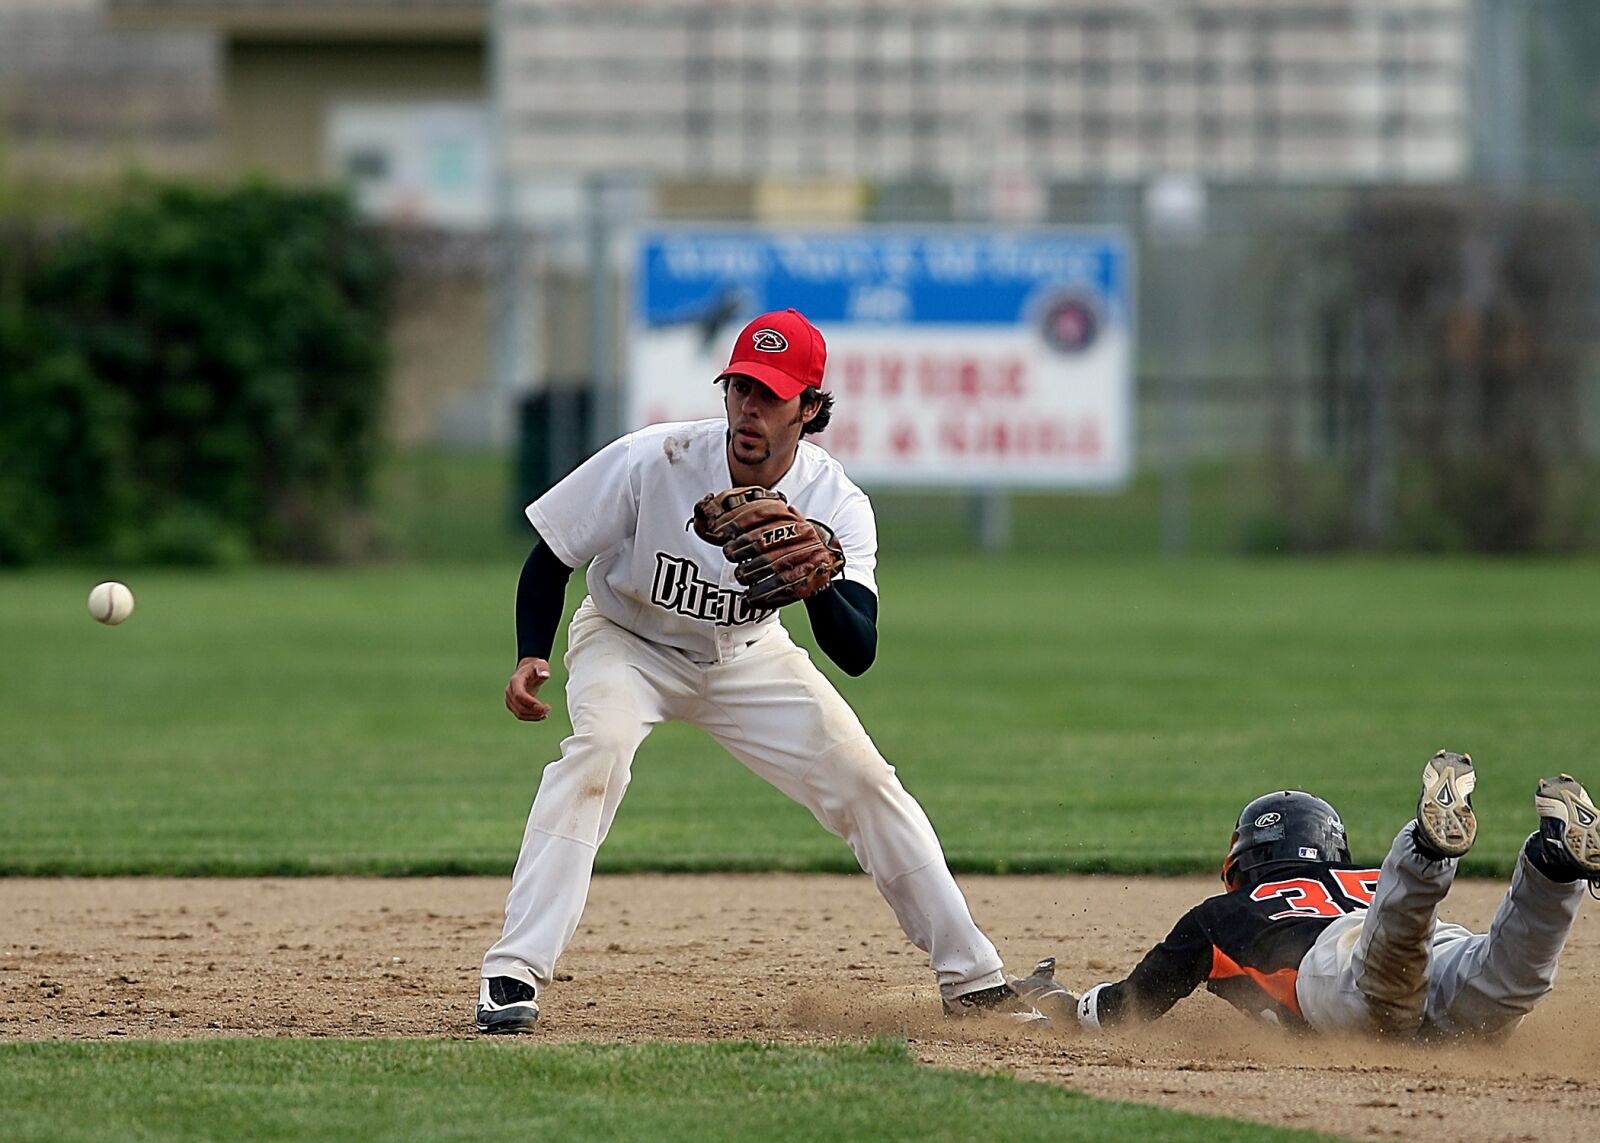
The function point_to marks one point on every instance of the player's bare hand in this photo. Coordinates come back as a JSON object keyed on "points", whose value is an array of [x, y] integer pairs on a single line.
{"points": [[523, 690]]}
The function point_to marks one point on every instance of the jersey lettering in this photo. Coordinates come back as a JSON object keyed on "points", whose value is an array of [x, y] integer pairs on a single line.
{"points": [[1307, 898], [623, 510], [1360, 885], [678, 589]]}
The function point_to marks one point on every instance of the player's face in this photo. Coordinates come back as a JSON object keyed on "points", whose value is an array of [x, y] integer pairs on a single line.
{"points": [[761, 427]]}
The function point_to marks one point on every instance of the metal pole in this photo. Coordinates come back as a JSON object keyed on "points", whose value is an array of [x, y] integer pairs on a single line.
{"points": [[991, 520], [1175, 438], [513, 333], [1175, 470], [1376, 506], [1175, 209], [1499, 91], [602, 372]]}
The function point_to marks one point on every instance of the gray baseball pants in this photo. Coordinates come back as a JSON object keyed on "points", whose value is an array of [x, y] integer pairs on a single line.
{"points": [[1397, 970]]}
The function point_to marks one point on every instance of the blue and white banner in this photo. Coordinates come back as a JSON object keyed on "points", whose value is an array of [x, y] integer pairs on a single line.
{"points": [[959, 358]]}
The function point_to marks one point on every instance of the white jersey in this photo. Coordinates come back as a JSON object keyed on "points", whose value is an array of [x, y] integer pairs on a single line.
{"points": [[625, 510]]}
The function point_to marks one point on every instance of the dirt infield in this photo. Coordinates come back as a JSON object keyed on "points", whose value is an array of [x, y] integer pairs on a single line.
{"points": [[787, 958]]}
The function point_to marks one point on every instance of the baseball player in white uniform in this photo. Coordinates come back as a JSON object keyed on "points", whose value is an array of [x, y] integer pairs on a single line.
{"points": [[667, 632]]}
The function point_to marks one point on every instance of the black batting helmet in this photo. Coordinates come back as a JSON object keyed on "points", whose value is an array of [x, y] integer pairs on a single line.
{"points": [[1287, 825]]}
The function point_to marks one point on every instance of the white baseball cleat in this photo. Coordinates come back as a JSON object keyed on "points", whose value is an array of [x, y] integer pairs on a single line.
{"points": [[1446, 825], [506, 1005], [1569, 825]]}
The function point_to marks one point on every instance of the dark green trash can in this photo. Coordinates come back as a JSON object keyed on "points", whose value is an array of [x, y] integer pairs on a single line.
{"points": [[552, 440]]}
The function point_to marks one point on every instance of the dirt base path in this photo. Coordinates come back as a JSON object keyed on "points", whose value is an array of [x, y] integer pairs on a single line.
{"points": [[787, 958]]}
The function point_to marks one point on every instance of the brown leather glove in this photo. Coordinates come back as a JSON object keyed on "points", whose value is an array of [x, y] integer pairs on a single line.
{"points": [[780, 555]]}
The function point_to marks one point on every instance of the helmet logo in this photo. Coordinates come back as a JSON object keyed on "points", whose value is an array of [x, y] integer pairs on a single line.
{"points": [[1268, 819], [1309, 852], [768, 341]]}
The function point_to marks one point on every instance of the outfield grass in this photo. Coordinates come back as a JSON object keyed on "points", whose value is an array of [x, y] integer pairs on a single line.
{"points": [[286, 1089], [1087, 714], [1072, 706]]}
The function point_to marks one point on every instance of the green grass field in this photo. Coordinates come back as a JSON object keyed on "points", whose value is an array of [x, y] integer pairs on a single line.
{"points": [[1071, 706], [282, 1089], [1089, 715]]}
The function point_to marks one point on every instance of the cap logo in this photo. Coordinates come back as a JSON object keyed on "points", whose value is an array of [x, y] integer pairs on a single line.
{"points": [[768, 341], [1268, 819]]}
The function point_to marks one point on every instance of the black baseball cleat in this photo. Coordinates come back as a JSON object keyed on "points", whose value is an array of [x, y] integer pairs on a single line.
{"points": [[1001, 1001], [506, 1005], [1446, 825], [1569, 826]]}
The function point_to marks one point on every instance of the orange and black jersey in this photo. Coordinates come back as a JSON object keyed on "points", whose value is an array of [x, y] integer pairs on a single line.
{"points": [[1245, 946]]}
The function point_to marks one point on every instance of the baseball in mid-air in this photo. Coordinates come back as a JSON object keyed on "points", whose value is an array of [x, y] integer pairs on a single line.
{"points": [[111, 602]]}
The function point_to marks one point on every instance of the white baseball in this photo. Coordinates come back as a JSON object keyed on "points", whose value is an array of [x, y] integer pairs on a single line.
{"points": [[111, 602]]}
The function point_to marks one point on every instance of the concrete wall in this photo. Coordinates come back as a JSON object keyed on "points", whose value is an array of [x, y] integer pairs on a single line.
{"points": [[277, 94]]}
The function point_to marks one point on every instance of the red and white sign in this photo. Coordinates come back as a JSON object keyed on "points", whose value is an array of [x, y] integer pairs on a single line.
{"points": [[1038, 397]]}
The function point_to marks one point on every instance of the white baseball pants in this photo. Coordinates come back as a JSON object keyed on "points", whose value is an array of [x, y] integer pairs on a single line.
{"points": [[1394, 968], [775, 712]]}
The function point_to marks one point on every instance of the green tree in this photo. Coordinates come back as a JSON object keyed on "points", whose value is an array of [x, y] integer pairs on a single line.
{"points": [[196, 375]]}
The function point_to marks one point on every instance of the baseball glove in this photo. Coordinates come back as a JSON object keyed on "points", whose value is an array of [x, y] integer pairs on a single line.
{"points": [[1048, 995], [780, 556]]}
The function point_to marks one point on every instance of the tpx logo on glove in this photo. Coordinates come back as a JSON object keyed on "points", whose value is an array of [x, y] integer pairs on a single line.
{"points": [[777, 553]]}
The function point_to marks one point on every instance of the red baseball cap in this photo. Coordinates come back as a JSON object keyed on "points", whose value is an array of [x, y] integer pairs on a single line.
{"points": [[782, 350]]}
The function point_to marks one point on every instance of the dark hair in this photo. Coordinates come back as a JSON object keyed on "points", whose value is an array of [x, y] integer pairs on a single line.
{"points": [[824, 414]]}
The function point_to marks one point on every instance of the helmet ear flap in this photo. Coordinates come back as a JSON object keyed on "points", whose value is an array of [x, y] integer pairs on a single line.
{"points": [[1230, 864]]}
